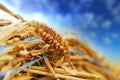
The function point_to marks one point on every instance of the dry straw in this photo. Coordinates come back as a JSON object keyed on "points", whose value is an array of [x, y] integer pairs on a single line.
{"points": [[30, 50]]}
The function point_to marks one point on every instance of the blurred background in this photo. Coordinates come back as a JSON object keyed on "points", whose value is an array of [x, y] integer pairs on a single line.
{"points": [[97, 22]]}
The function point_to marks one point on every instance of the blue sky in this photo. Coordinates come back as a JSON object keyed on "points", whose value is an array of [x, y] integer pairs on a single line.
{"points": [[97, 22]]}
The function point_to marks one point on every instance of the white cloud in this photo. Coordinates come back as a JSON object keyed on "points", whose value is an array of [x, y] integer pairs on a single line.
{"points": [[84, 1], [94, 24], [59, 17], [48, 19], [106, 24], [17, 3], [116, 13], [93, 34], [89, 16], [40, 17], [87, 19], [115, 35], [110, 3], [107, 40], [116, 10]]}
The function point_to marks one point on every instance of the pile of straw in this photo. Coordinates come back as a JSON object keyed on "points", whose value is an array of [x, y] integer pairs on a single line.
{"points": [[30, 50]]}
